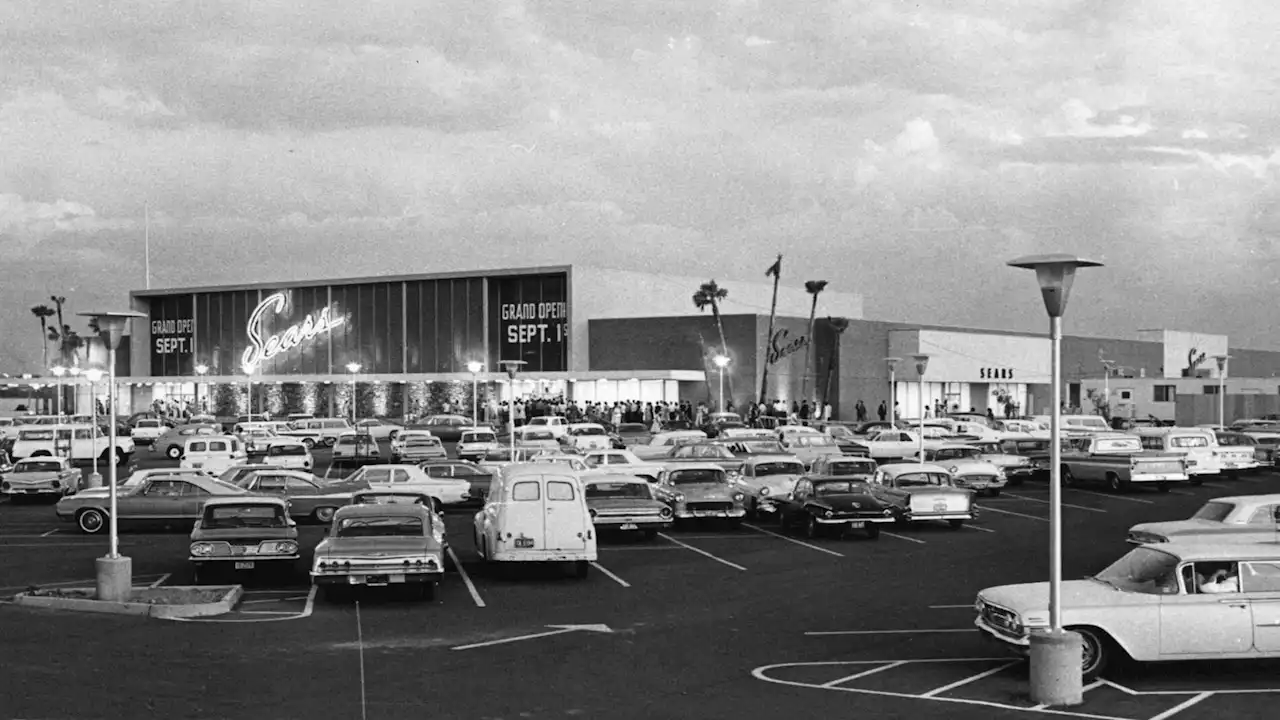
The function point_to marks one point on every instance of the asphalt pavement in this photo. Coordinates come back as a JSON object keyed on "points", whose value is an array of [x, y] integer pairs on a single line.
{"points": [[703, 622]]}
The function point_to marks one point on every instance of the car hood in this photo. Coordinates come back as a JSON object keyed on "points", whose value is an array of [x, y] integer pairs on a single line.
{"points": [[1034, 597], [845, 502], [705, 491], [777, 484], [1005, 460], [624, 503], [245, 534], [376, 546]]}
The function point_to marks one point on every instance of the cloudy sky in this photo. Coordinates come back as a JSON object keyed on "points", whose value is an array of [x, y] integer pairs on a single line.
{"points": [[904, 150]]}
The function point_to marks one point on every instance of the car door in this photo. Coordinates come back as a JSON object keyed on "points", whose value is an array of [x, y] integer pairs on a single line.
{"points": [[160, 499], [1193, 622], [525, 515], [1260, 581], [565, 524], [792, 502], [193, 498]]}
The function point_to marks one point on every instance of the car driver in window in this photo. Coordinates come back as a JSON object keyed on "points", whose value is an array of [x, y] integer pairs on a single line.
{"points": [[1223, 579]]}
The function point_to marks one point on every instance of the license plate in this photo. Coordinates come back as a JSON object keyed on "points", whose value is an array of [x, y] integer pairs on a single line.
{"points": [[524, 542], [940, 505], [377, 579], [246, 565], [629, 526], [857, 525], [32, 491]]}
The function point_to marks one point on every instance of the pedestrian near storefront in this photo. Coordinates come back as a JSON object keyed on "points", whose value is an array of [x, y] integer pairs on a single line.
{"points": [[882, 411]]}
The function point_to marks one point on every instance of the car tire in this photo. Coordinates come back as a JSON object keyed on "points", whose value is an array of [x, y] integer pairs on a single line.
{"points": [[812, 529], [91, 521], [173, 452], [122, 458], [955, 524], [873, 531], [323, 515], [309, 443], [1097, 651], [581, 569], [393, 434], [1115, 484]]}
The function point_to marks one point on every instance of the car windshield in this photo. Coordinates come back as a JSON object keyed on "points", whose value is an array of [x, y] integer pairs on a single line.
{"points": [[537, 435], [1236, 440], [923, 479], [779, 468], [277, 450], [629, 428], [849, 467], [380, 527], [587, 431], [1143, 570], [352, 440], [422, 442], [1269, 440], [837, 487], [955, 453], [1121, 444], [711, 452], [697, 477], [479, 437], [224, 517], [1189, 441], [603, 490], [567, 462], [391, 499], [1214, 511], [841, 432], [39, 466], [498, 455], [814, 441]]}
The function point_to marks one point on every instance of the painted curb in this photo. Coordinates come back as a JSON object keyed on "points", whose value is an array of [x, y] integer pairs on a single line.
{"points": [[163, 612]]}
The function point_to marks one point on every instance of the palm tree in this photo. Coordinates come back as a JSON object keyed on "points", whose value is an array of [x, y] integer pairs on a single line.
{"points": [[839, 325], [58, 302], [709, 295], [814, 288], [43, 313]]}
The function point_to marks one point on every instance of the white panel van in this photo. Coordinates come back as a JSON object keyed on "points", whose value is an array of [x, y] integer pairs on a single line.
{"points": [[537, 513]]}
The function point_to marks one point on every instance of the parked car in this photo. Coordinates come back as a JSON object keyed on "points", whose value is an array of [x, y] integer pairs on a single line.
{"points": [[310, 498], [158, 500], [214, 453], [403, 436], [477, 478], [968, 467], [381, 430], [1238, 518], [821, 504], [765, 478], [583, 437], [290, 453], [446, 490], [532, 436], [629, 434], [844, 466], [354, 448], [747, 447], [323, 432], [557, 425], [1197, 446], [700, 491], [1265, 444], [174, 440], [572, 463], [1016, 468], [701, 453], [660, 444], [381, 545], [238, 472], [40, 477], [242, 534], [82, 443], [809, 447], [623, 461], [1241, 452], [537, 513], [924, 492], [146, 430], [475, 442], [1119, 461], [448, 428], [417, 448], [620, 503], [885, 445], [1175, 601]]}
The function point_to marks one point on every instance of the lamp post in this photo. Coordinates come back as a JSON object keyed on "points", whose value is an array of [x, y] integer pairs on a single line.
{"points": [[201, 369], [353, 368], [721, 361], [922, 364], [93, 375], [58, 371], [1056, 655], [892, 362], [75, 389], [512, 367], [1222, 388], [475, 368], [114, 572], [248, 369]]}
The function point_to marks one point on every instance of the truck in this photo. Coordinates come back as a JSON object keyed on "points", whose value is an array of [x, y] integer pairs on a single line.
{"points": [[1119, 461]]}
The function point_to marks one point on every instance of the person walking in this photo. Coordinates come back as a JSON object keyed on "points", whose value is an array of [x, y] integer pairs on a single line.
{"points": [[882, 411]]}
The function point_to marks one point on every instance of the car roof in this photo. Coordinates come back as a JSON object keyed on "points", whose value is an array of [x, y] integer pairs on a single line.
{"points": [[955, 445], [896, 469], [346, 511], [823, 478], [523, 470], [613, 477], [1248, 499], [207, 438], [245, 500], [772, 457], [695, 466], [1193, 550], [397, 493], [41, 458]]}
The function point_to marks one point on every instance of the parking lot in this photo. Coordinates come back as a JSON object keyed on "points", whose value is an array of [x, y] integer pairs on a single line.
{"points": [[702, 622]]}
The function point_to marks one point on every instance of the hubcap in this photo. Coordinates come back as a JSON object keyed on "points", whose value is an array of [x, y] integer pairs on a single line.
{"points": [[91, 521], [1089, 652]]}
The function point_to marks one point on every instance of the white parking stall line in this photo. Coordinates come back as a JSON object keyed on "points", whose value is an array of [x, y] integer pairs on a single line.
{"points": [[1179, 492], [159, 581], [987, 509], [311, 601], [51, 532], [610, 575], [823, 633], [701, 552], [1113, 497], [979, 528], [1182, 706], [971, 678], [1046, 502], [793, 540], [1091, 686], [466, 579], [863, 674], [904, 537]]}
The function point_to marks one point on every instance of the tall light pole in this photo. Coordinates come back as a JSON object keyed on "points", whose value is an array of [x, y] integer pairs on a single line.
{"points": [[512, 367], [114, 572], [892, 362], [721, 361], [93, 375], [353, 368], [248, 369], [475, 368], [922, 363], [75, 389], [58, 371], [1222, 388], [1056, 655], [201, 369]]}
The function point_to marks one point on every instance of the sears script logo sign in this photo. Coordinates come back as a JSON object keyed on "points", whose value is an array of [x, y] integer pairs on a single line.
{"points": [[1195, 359], [261, 349], [780, 348]]}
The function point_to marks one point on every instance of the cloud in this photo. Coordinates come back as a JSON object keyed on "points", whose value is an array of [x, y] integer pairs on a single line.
{"points": [[888, 147]]}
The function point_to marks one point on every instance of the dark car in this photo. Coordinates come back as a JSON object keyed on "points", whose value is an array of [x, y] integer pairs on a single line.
{"points": [[821, 503], [1035, 449], [628, 434], [446, 427], [672, 425]]}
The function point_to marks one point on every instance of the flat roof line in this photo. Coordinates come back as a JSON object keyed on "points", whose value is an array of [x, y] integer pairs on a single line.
{"points": [[268, 285]]}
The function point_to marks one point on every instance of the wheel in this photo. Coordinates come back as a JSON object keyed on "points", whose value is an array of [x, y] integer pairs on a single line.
{"points": [[956, 524], [873, 531], [309, 443], [121, 458], [173, 452], [650, 534], [1096, 650], [91, 521], [581, 569], [1115, 484], [812, 529], [1067, 477], [995, 492], [393, 434], [1162, 487], [323, 514]]}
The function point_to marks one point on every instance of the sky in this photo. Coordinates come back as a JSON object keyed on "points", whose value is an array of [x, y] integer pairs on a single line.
{"points": [[902, 150]]}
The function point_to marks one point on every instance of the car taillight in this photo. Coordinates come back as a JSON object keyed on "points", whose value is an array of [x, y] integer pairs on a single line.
{"points": [[593, 513]]}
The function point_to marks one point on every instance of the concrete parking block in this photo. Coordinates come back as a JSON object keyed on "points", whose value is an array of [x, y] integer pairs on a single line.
{"points": [[155, 610]]}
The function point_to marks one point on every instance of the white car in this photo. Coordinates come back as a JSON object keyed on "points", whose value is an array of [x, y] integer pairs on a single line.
{"points": [[147, 430], [214, 453], [1238, 518], [289, 453], [622, 461], [557, 424], [448, 490], [47, 476], [403, 437], [1175, 601], [661, 443], [475, 442], [968, 467], [572, 463], [379, 429], [587, 436], [78, 442], [891, 444]]}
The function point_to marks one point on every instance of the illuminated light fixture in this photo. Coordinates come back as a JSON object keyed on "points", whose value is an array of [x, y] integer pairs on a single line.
{"points": [[264, 349]]}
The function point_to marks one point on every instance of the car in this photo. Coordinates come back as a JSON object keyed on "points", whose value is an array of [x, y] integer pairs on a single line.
{"points": [[6, 465], [477, 478], [354, 448], [746, 433], [158, 500], [381, 545], [1035, 449], [404, 435], [844, 466], [1016, 468], [572, 463], [448, 428], [40, 477], [767, 477], [660, 444], [888, 445], [1266, 447], [310, 498], [323, 432], [1120, 461], [968, 467], [214, 453], [629, 434], [621, 461], [583, 437], [540, 437], [243, 534], [390, 497], [536, 514], [844, 436], [137, 477], [924, 492], [290, 453], [1246, 453], [716, 421], [1236, 518], [1183, 600], [257, 438], [746, 447], [700, 491], [821, 504], [447, 490], [703, 452], [620, 502], [475, 442], [557, 425], [174, 440], [810, 446], [234, 474], [380, 429], [417, 448], [146, 430]]}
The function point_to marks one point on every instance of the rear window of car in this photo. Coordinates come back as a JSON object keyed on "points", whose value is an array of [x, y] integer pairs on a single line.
{"points": [[524, 491], [287, 450], [380, 527], [604, 490], [694, 477], [233, 516], [39, 466]]}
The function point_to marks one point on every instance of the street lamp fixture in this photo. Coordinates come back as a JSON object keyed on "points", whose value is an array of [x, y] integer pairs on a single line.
{"points": [[475, 368], [892, 362], [353, 368], [114, 572], [721, 362], [1222, 389], [922, 363], [75, 389], [1056, 677], [512, 367], [201, 370], [58, 371]]}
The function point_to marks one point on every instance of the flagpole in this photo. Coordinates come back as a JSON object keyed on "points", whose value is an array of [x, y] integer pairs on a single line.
{"points": [[146, 240], [776, 271]]}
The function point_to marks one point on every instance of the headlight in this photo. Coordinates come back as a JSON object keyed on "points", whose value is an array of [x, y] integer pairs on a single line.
{"points": [[284, 547], [828, 513], [202, 548], [679, 497], [764, 491], [665, 512], [952, 469], [738, 497]]}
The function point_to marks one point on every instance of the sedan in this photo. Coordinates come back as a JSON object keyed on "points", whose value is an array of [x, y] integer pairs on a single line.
{"points": [[1239, 518], [380, 430], [174, 440], [448, 428], [159, 500], [310, 498]]}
